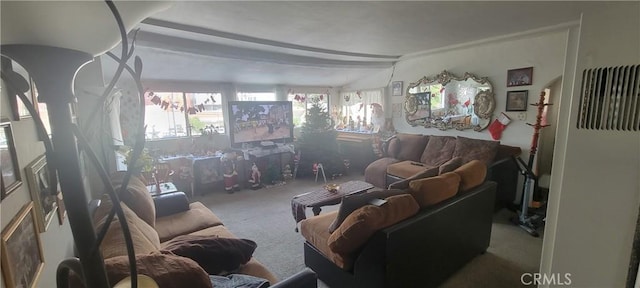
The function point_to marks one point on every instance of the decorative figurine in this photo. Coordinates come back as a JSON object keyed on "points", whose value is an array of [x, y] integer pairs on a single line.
{"points": [[230, 174], [286, 173], [255, 176]]}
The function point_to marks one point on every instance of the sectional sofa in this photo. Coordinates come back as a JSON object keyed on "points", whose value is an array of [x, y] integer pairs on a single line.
{"points": [[406, 155]]}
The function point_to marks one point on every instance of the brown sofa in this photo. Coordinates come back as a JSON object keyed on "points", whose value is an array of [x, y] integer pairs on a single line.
{"points": [[406, 155], [415, 242], [153, 222]]}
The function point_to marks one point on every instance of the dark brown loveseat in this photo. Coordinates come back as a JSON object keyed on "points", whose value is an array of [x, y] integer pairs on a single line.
{"points": [[408, 154]]}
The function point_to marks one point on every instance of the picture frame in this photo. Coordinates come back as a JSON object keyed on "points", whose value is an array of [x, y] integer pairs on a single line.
{"points": [[45, 203], [520, 77], [396, 88], [18, 108], [11, 178], [22, 255], [517, 100]]}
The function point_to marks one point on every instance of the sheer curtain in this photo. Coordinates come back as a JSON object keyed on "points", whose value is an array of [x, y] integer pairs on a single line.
{"points": [[356, 107]]}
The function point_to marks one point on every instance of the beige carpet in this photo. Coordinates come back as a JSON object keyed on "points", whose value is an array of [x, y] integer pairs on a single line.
{"points": [[264, 216]]}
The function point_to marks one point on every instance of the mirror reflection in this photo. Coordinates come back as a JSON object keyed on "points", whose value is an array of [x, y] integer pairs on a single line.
{"points": [[447, 101]]}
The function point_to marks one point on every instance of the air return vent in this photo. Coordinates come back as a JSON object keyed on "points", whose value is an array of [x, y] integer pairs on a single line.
{"points": [[610, 99]]}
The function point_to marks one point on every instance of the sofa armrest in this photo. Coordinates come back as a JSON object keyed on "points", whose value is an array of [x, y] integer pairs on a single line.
{"points": [[170, 203], [303, 279]]}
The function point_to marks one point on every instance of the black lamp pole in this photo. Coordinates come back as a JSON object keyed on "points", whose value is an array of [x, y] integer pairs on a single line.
{"points": [[54, 69]]}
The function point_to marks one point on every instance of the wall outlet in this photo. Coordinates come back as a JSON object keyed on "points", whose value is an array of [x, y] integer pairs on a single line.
{"points": [[522, 116]]}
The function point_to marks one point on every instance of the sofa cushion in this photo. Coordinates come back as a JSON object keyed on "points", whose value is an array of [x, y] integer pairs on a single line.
{"points": [[315, 231], [476, 149], [352, 202], [472, 174], [406, 169], [393, 147], [438, 150], [214, 254], [362, 223], [197, 217], [253, 267], [411, 146], [136, 196], [144, 237], [167, 270], [450, 165], [404, 184], [430, 191]]}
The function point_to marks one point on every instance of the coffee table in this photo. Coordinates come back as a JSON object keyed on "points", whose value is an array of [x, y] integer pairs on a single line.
{"points": [[320, 197]]}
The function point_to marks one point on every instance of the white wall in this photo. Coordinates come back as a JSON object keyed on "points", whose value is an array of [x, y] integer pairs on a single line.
{"points": [[595, 184], [545, 52], [56, 241]]}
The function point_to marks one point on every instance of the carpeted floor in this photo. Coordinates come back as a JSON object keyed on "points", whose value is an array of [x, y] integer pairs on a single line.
{"points": [[264, 216]]}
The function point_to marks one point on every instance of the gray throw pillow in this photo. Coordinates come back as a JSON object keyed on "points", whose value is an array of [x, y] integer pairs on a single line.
{"points": [[351, 203], [404, 183]]}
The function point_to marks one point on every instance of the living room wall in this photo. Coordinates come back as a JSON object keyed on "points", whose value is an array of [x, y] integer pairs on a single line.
{"points": [[57, 241], [544, 50]]}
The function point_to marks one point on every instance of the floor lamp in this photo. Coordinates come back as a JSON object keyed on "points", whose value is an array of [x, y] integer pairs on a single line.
{"points": [[54, 70]]}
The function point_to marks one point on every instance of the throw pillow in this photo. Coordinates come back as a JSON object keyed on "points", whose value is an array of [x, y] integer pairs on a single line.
{"points": [[166, 269], [362, 223], [353, 202], [136, 196], [438, 150], [472, 174], [145, 238], [411, 146], [476, 149], [215, 255], [404, 183], [430, 191], [450, 165]]}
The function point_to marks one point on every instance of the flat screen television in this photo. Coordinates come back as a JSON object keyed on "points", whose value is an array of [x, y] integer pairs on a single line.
{"points": [[254, 122]]}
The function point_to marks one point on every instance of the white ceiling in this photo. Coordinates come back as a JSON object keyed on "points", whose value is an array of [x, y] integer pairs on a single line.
{"points": [[313, 43]]}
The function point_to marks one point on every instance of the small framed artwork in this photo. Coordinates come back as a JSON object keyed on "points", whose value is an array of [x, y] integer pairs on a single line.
{"points": [[520, 77], [22, 79], [396, 88], [45, 202], [11, 179], [22, 256], [517, 100]]}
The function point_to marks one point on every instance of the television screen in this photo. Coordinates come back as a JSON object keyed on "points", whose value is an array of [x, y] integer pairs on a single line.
{"points": [[257, 121]]}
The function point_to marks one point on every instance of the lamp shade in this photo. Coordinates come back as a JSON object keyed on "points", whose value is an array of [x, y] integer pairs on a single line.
{"points": [[86, 26]]}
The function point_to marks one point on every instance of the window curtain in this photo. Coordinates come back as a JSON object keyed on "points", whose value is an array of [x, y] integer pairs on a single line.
{"points": [[358, 103]]}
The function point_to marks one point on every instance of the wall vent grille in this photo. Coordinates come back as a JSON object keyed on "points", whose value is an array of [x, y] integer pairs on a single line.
{"points": [[610, 99]]}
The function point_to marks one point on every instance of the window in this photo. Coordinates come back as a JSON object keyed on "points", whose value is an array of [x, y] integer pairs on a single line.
{"points": [[166, 114], [207, 113], [256, 96], [357, 111], [300, 106]]}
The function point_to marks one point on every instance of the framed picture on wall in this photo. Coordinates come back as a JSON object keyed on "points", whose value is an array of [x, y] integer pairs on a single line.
{"points": [[22, 256], [45, 201], [18, 108], [396, 88], [520, 77], [11, 178], [517, 100]]}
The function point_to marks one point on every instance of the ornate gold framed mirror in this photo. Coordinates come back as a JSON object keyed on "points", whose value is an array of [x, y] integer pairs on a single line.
{"points": [[446, 101]]}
